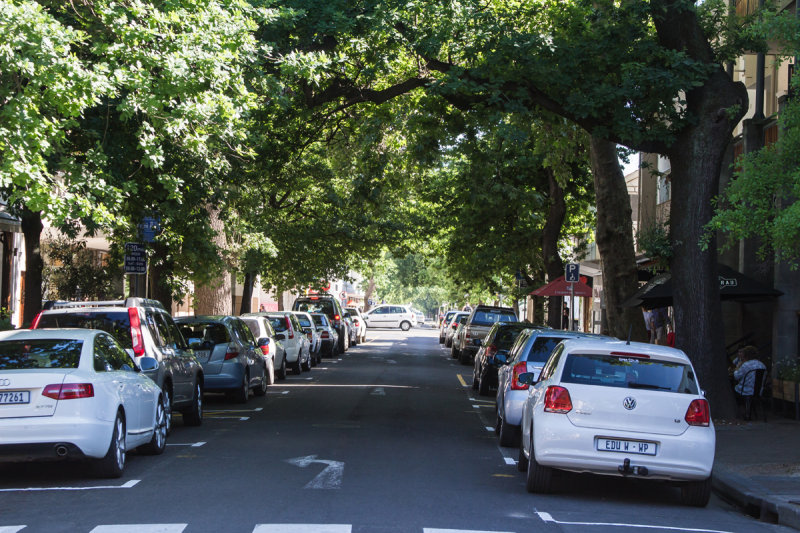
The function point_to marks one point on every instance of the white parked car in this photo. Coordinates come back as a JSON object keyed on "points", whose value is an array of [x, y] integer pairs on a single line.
{"points": [[619, 409], [390, 316], [272, 349], [76, 394], [360, 323]]}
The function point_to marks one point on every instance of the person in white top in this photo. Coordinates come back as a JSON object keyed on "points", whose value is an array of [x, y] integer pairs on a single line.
{"points": [[745, 379]]}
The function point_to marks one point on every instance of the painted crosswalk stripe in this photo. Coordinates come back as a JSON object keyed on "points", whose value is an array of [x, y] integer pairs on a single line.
{"points": [[547, 517], [303, 528], [11, 529], [140, 528], [126, 485]]}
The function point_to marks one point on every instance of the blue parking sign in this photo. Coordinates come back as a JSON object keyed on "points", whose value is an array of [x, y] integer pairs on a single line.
{"points": [[572, 272]]}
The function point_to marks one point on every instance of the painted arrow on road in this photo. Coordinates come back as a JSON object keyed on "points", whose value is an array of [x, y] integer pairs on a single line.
{"points": [[329, 478]]}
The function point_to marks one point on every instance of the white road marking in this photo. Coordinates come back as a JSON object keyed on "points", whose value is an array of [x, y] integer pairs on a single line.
{"points": [[140, 528], [437, 530], [509, 461], [489, 428], [329, 478], [303, 528], [126, 485], [11, 529], [215, 411], [192, 444], [546, 517], [242, 418], [378, 392]]}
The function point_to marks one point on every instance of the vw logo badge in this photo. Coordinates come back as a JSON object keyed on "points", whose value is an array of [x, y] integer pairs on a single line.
{"points": [[629, 403], [5, 382]]}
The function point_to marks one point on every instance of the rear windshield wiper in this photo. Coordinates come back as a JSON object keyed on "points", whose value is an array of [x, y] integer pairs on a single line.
{"points": [[647, 386]]}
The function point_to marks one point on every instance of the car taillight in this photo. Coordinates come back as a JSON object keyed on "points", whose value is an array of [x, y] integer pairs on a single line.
{"points": [[69, 391], [698, 413], [337, 318], [491, 350], [557, 400], [265, 349], [36, 320], [325, 335], [231, 353], [356, 322], [519, 368], [289, 329], [455, 325], [136, 332], [466, 334]]}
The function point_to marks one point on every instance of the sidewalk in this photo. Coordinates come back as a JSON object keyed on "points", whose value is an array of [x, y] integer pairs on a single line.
{"points": [[757, 466]]}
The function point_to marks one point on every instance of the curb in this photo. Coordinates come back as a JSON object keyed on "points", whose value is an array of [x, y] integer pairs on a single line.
{"points": [[755, 499]]}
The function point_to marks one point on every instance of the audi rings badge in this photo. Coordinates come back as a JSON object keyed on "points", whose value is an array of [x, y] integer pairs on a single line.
{"points": [[5, 382]]}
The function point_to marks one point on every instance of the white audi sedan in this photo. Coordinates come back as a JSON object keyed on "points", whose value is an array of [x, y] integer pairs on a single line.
{"points": [[620, 409], [76, 394]]}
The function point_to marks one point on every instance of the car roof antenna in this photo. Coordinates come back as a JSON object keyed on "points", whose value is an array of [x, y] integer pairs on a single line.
{"points": [[630, 330]]}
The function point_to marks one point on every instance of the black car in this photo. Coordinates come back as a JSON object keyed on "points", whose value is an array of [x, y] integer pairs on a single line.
{"points": [[498, 341], [326, 303], [144, 328]]}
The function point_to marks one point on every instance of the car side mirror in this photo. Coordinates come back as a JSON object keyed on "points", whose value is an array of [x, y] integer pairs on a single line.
{"points": [[527, 378], [148, 364]]}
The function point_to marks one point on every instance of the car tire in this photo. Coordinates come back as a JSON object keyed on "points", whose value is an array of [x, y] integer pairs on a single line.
{"points": [[483, 386], [363, 338], [448, 342], [113, 463], [509, 434], [696, 493], [194, 415], [296, 368], [522, 461], [441, 339], [282, 369], [261, 390], [405, 325], [242, 394], [167, 393], [539, 478], [454, 352], [158, 443], [497, 423], [474, 382], [464, 358], [306, 367]]}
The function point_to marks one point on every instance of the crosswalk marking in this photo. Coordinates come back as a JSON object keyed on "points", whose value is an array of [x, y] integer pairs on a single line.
{"points": [[10, 529], [303, 528], [140, 528]]}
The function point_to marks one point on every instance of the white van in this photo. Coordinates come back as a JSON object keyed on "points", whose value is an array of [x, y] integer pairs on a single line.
{"points": [[390, 316]]}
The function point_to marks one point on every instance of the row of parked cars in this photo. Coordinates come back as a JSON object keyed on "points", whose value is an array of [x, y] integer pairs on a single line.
{"points": [[580, 402], [92, 380]]}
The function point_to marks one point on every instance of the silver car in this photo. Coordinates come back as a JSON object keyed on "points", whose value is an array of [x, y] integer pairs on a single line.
{"points": [[290, 333], [271, 348], [314, 340]]}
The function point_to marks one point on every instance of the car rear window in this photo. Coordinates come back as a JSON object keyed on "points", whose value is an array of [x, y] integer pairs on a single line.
{"points": [[204, 332], [540, 349], [40, 353], [304, 321], [115, 323], [629, 372], [278, 323], [320, 320], [315, 306], [487, 318], [505, 337]]}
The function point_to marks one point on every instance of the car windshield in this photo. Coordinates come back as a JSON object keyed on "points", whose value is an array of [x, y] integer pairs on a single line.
{"points": [[116, 323], [40, 353], [629, 372], [489, 317], [320, 320], [279, 323], [315, 306]]}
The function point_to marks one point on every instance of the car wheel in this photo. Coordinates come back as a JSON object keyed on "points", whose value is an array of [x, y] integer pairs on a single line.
{"points": [[242, 394], [405, 325], [464, 358], [261, 390], [113, 463], [340, 345], [158, 443], [167, 393], [509, 434], [282, 370], [696, 493], [194, 415], [539, 478], [441, 339], [474, 382], [307, 365], [497, 423], [448, 342], [454, 352], [483, 386], [271, 372], [296, 368], [364, 338], [522, 461]]}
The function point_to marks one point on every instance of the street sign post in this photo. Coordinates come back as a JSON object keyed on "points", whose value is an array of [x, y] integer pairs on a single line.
{"points": [[572, 274], [135, 258]]}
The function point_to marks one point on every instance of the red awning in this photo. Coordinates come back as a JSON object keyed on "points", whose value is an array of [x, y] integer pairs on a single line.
{"points": [[559, 287]]}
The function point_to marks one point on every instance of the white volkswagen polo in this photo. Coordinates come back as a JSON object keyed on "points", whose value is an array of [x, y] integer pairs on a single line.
{"points": [[621, 409], [76, 394]]}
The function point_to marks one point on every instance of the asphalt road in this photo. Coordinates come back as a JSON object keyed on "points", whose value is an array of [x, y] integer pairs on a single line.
{"points": [[388, 438]]}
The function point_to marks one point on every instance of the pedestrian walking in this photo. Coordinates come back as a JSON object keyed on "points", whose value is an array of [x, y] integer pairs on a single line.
{"points": [[565, 319], [660, 317], [648, 323]]}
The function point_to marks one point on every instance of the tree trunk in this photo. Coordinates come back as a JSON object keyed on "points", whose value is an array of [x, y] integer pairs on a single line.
{"points": [[215, 297], [615, 241], [247, 293], [368, 293], [31, 222], [553, 265]]}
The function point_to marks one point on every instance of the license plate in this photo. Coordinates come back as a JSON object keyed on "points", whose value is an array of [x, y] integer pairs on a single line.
{"points": [[626, 446], [10, 397]]}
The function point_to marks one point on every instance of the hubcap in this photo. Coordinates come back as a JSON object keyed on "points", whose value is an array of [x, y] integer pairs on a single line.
{"points": [[119, 445], [167, 412], [199, 394], [161, 425]]}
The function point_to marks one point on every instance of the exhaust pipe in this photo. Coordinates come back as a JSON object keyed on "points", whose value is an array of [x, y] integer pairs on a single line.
{"points": [[61, 450]]}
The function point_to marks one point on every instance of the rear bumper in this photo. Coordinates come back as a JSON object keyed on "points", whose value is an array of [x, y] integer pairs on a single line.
{"points": [[29, 439], [229, 378]]}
